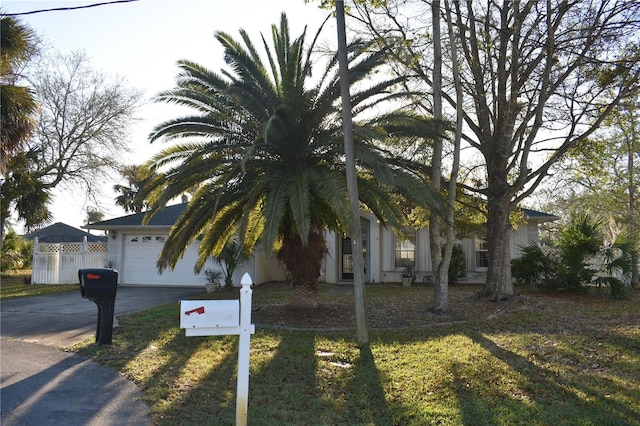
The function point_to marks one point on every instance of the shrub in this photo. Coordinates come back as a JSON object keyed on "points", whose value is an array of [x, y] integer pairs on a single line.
{"points": [[458, 265], [617, 265], [579, 259], [17, 253], [214, 278], [578, 243], [231, 256], [535, 266]]}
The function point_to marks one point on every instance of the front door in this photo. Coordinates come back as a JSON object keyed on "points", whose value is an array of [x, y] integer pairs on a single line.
{"points": [[347, 252]]}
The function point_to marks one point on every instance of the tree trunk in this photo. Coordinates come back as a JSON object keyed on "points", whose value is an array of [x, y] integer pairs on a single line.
{"points": [[499, 285], [304, 264], [355, 231], [634, 231], [440, 275], [453, 178]]}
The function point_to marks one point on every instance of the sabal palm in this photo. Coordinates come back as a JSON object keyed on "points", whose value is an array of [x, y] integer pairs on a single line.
{"points": [[265, 148]]}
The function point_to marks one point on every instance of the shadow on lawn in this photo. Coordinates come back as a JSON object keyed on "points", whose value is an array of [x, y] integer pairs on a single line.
{"points": [[538, 395], [365, 393], [283, 390], [212, 398], [192, 380], [297, 386]]}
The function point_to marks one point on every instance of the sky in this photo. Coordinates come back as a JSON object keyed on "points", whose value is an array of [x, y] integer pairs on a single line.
{"points": [[141, 42]]}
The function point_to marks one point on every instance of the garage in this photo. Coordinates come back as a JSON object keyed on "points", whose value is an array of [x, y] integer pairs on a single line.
{"points": [[140, 254], [134, 245]]}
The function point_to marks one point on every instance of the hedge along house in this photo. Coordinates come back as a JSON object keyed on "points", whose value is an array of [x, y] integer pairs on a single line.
{"points": [[133, 249]]}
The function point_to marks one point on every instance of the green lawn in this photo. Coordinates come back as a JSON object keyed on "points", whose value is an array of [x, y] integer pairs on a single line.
{"points": [[12, 285], [564, 360]]}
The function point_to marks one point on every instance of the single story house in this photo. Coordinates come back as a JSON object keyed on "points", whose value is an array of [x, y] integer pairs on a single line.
{"points": [[133, 249], [386, 255], [62, 233], [59, 250]]}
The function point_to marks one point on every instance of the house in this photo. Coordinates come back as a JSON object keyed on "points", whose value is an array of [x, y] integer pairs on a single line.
{"points": [[386, 256], [133, 249], [62, 233], [59, 250]]}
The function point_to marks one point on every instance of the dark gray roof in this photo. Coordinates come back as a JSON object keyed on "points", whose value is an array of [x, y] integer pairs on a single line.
{"points": [[539, 216], [168, 216], [62, 233], [165, 217]]}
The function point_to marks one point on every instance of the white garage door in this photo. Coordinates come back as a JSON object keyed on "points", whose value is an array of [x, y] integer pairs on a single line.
{"points": [[139, 263]]}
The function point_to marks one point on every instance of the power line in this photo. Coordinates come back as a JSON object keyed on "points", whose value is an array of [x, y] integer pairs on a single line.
{"points": [[67, 8]]}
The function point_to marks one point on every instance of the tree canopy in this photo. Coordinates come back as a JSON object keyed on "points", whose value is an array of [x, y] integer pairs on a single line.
{"points": [[537, 78], [79, 135]]}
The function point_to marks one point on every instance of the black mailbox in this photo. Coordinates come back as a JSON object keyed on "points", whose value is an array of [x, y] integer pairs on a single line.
{"points": [[100, 285], [98, 282]]}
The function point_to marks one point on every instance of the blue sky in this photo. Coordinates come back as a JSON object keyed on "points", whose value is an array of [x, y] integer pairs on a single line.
{"points": [[141, 42]]}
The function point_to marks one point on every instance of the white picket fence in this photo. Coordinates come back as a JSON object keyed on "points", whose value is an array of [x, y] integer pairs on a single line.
{"points": [[58, 263]]}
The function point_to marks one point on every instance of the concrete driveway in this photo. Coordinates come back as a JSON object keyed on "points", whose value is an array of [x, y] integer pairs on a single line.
{"points": [[42, 385]]}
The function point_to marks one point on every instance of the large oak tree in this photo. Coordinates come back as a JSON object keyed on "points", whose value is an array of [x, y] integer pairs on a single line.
{"points": [[538, 78]]}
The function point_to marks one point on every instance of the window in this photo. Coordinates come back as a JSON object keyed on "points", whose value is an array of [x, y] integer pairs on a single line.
{"points": [[482, 253], [406, 251], [148, 239]]}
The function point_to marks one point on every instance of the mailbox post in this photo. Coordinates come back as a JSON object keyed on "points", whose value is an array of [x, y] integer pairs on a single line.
{"points": [[100, 286], [225, 317]]}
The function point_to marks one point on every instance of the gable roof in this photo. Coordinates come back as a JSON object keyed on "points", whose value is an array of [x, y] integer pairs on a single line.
{"points": [[62, 233], [164, 218], [539, 216]]}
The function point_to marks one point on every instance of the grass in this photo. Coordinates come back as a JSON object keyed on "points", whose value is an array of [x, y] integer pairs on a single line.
{"points": [[12, 285], [576, 362]]}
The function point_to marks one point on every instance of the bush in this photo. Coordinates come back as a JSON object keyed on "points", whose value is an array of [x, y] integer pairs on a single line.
{"points": [[458, 265], [17, 253], [214, 279], [578, 243], [579, 259], [231, 256], [535, 266]]}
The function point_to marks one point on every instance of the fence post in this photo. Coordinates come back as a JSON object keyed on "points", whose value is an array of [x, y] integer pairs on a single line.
{"points": [[35, 276], [58, 264], [84, 252]]}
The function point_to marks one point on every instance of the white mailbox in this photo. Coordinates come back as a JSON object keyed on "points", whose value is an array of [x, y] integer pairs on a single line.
{"points": [[223, 317], [209, 316]]}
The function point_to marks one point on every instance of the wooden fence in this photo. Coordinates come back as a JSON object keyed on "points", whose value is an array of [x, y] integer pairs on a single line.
{"points": [[58, 263]]}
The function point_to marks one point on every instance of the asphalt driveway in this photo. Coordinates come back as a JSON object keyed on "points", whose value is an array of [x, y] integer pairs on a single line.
{"points": [[66, 318], [41, 384]]}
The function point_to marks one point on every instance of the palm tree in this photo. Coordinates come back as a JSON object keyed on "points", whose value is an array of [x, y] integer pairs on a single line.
{"points": [[17, 103], [128, 195], [24, 192], [265, 149]]}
